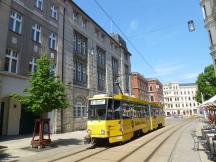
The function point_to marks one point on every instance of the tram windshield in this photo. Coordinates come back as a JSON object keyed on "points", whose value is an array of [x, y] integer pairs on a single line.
{"points": [[97, 109]]}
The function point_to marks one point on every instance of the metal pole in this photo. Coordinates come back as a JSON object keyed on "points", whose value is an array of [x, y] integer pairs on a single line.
{"points": [[204, 111]]}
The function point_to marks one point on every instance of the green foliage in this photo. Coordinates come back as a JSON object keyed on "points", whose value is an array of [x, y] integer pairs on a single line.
{"points": [[46, 92], [206, 83]]}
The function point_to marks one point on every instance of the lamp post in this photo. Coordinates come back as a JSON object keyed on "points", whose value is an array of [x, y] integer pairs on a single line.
{"points": [[117, 82]]}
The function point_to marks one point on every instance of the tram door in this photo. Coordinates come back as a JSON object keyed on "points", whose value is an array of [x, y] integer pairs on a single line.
{"points": [[114, 117], [127, 121]]}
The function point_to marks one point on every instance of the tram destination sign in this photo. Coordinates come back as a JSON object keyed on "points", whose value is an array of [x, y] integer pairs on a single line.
{"points": [[98, 102]]}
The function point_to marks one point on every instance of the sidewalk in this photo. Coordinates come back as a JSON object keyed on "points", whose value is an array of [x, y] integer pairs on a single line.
{"points": [[18, 147], [203, 155]]}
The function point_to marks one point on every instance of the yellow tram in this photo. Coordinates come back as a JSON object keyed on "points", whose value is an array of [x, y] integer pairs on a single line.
{"points": [[118, 118]]}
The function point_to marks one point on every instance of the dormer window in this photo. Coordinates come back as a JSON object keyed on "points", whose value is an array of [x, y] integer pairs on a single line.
{"points": [[54, 12], [84, 23], [75, 16], [39, 4]]}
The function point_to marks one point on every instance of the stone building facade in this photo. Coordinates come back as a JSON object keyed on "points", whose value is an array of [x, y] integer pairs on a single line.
{"points": [[179, 99], [155, 90], [88, 59], [93, 61], [27, 29], [139, 86], [209, 14]]}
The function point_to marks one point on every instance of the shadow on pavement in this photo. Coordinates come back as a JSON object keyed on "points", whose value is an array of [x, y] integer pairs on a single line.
{"points": [[7, 157], [14, 137], [66, 142], [55, 144]]}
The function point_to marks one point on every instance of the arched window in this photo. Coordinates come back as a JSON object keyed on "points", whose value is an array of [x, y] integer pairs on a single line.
{"points": [[79, 109]]}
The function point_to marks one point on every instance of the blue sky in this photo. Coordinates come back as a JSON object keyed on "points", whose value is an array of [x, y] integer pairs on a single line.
{"points": [[158, 29]]}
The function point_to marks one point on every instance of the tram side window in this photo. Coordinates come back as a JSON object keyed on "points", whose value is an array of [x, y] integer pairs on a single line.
{"points": [[125, 110], [153, 113], [117, 109], [147, 110], [137, 111]]}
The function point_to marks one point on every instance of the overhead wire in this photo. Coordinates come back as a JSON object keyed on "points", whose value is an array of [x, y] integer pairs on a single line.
{"points": [[126, 37]]}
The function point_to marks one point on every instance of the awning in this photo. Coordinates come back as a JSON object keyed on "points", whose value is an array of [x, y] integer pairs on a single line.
{"points": [[209, 104]]}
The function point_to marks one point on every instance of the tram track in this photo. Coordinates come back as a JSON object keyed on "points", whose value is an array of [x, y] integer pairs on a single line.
{"points": [[150, 140], [174, 146], [84, 151], [163, 142], [92, 152]]}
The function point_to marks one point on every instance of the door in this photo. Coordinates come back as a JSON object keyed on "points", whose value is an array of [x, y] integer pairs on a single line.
{"points": [[1, 117], [26, 121]]}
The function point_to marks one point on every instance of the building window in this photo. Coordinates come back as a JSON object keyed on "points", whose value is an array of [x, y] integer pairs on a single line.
{"points": [[52, 69], [204, 11], [52, 41], [83, 23], [54, 12], [152, 98], [80, 43], [15, 22], [210, 38], [39, 4], [126, 55], [150, 88], [79, 110], [80, 72], [36, 33], [75, 16], [101, 81], [32, 65], [101, 56], [11, 61]]}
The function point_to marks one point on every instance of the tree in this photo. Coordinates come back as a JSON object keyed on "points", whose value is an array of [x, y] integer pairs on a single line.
{"points": [[206, 83], [45, 93]]}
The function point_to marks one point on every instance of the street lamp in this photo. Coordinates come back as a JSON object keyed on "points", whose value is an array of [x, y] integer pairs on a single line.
{"points": [[191, 26]]}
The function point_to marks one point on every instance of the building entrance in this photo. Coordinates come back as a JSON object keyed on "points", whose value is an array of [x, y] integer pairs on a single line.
{"points": [[26, 121]]}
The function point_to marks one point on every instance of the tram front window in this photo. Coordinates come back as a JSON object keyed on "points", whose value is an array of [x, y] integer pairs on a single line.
{"points": [[97, 110]]}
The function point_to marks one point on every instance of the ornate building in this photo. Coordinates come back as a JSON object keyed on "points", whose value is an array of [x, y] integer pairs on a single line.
{"points": [[179, 99], [209, 14]]}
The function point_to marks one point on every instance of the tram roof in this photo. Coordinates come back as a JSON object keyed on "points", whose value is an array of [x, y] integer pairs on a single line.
{"points": [[124, 97]]}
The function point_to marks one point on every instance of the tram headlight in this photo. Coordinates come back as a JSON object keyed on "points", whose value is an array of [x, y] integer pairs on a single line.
{"points": [[102, 131]]}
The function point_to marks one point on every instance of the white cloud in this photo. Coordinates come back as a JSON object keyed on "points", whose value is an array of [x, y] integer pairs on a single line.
{"points": [[134, 24], [189, 76], [168, 69]]}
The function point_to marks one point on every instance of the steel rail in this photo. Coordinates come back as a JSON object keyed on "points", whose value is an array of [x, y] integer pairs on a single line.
{"points": [[162, 143], [150, 140]]}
